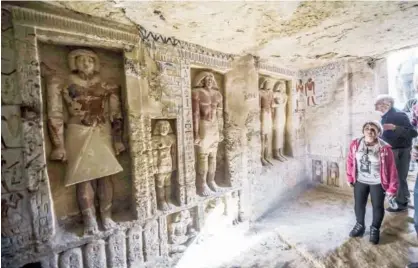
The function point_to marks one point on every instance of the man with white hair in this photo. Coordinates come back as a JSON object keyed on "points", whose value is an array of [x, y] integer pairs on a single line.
{"points": [[398, 132]]}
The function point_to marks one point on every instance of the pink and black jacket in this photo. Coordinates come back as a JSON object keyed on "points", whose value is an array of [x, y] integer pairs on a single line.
{"points": [[388, 171]]}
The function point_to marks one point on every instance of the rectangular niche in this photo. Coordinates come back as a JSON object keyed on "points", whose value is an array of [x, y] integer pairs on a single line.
{"points": [[275, 118], [165, 153], [220, 177], [55, 65], [182, 228]]}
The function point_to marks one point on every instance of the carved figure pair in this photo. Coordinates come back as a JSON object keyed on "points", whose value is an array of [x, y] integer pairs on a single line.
{"points": [[273, 100]]}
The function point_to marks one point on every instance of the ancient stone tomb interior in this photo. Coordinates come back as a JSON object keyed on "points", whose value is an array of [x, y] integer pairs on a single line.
{"points": [[191, 134]]}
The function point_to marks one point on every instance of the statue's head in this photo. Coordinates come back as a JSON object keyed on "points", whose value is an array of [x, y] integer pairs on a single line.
{"points": [[334, 166], [206, 80], [182, 215], [310, 79], [162, 128], [83, 61], [265, 83], [280, 87], [300, 81]]}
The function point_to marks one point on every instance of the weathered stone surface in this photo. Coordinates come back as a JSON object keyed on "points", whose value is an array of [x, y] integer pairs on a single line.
{"points": [[11, 129], [151, 241], [301, 34], [116, 250], [72, 258], [95, 255], [135, 247], [51, 261], [11, 171]]}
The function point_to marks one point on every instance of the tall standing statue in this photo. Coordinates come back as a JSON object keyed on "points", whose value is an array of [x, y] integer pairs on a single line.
{"points": [[279, 119], [207, 105], [300, 97], [266, 106], [334, 175], [93, 136], [310, 91], [164, 156]]}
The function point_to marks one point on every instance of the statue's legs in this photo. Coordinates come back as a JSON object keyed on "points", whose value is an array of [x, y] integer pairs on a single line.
{"points": [[264, 150], [212, 170], [85, 198], [105, 195], [202, 173], [162, 191], [277, 152]]}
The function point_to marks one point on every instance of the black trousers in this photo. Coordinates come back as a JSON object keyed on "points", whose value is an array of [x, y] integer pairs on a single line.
{"points": [[361, 193]]}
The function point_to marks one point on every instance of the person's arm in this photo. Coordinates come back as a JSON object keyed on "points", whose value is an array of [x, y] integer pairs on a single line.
{"points": [[404, 128], [350, 163], [392, 172]]}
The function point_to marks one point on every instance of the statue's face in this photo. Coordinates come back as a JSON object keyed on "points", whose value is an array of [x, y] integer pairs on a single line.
{"points": [[269, 84], [85, 64], [164, 129], [208, 81]]}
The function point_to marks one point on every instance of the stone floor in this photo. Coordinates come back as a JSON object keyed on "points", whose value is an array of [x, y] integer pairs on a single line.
{"points": [[310, 231]]}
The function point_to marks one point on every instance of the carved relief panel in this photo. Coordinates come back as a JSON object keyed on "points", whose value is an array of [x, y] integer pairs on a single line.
{"points": [[85, 133], [317, 171], [181, 229], [333, 174]]}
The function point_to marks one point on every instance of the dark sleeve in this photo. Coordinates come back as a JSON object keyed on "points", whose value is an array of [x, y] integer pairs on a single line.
{"points": [[408, 106], [404, 128]]}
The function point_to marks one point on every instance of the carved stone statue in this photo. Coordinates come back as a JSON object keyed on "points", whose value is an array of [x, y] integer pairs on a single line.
{"points": [[300, 97], [93, 135], [317, 171], [164, 155], [279, 119], [310, 91], [334, 175], [180, 231], [207, 105], [266, 105]]}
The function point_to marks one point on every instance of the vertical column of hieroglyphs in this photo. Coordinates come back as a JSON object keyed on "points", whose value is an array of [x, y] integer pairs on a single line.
{"points": [[189, 158], [134, 84], [16, 231], [28, 83], [116, 250]]}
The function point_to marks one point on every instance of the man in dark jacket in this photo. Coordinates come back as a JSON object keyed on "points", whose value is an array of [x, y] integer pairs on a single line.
{"points": [[398, 132]]}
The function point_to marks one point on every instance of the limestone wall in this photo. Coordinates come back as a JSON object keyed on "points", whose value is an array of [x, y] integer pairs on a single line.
{"points": [[344, 95], [155, 77]]}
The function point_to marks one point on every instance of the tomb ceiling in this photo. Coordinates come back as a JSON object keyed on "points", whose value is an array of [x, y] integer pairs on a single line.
{"points": [[299, 34]]}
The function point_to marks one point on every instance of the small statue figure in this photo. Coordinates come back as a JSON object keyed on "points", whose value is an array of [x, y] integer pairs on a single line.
{"points": [[334, 175], [266, 105], [164, 155], [207, 106], [317, 170], [93, 134], [300, 97], [180, 231], [310, 91], [279, 120]]}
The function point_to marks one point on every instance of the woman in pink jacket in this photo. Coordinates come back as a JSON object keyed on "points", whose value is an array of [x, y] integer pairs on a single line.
{"points": [[371, 169]]}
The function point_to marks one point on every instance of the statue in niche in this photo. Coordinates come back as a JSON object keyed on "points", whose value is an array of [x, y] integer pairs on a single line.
{"points": [[317, 171], [310, 91], [279, 119], [266, 105], [180, 231], [300, 97], [207, 106], [93, 136], [164, 156], [333, 174]]}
